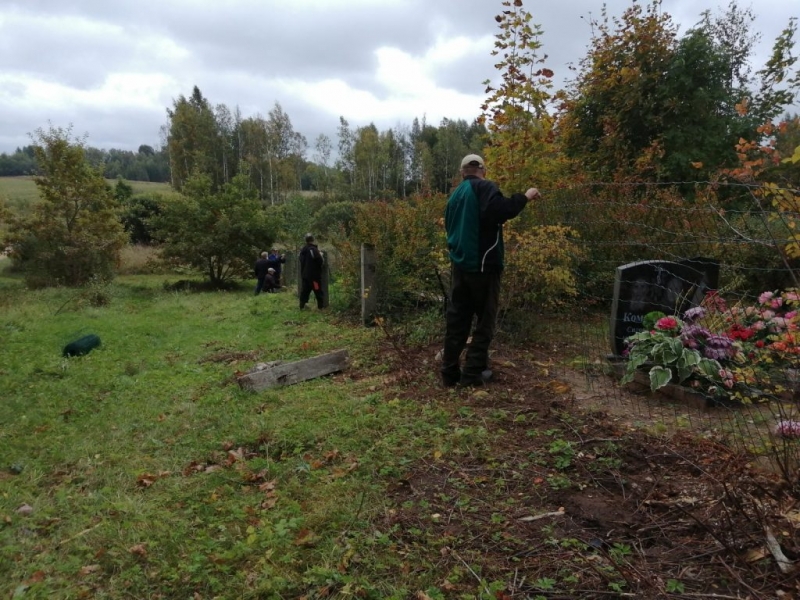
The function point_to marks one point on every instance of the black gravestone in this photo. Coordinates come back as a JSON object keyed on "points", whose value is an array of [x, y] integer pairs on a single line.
{"points": [[649, 285]]}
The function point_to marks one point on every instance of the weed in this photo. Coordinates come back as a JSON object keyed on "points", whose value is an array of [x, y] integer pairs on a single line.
{"points": [[545, 584], [563, 453], [619, 552], [559, 482], [675, 587]]}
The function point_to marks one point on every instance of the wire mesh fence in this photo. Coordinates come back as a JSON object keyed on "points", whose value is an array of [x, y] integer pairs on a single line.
{"points": [[714, 260], [336, 294]]}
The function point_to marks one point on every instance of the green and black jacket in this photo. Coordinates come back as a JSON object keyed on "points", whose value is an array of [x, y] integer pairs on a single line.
{"points": [[474, 220]]}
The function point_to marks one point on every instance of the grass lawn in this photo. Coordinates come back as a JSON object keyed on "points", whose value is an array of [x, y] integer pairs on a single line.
{"points": [[141, 470]]}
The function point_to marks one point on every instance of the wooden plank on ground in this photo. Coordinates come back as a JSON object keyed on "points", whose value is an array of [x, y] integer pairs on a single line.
{"points": [[277, 373]]}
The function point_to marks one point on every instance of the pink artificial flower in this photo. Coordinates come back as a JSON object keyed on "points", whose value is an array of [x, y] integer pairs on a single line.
{"points": [[779, 323], [790, 315], [767, 314], [788, 428], [667, 323], [765, 297], [792, 297]]}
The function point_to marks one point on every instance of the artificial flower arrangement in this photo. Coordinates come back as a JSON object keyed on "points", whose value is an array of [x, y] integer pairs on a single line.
{"points": [[741, 353]]}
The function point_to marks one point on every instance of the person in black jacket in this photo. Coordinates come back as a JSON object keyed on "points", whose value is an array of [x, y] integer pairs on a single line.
{"points": [[260, 270], [311, 263], [474, 217], [275, 261]]}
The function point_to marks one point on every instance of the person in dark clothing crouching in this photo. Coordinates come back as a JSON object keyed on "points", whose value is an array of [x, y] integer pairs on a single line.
{"points": [[311, 263], [474, 217], [270, 286]]}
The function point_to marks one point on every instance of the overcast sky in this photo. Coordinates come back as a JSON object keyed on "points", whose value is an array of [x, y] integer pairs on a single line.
{"points": [[110, 68]]}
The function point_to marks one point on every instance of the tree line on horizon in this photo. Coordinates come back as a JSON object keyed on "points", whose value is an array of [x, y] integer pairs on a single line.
{"points": [[220, 142], [146, 164]]}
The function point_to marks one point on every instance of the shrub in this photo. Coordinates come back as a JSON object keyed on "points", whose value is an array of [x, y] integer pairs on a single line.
{"points": [[540, 266], [216, 233], [137, 212], [73, 234], [408, 237]]}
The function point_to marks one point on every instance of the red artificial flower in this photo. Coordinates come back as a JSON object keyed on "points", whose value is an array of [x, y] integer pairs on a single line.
{"points": [[740, 332], [667, 323]]}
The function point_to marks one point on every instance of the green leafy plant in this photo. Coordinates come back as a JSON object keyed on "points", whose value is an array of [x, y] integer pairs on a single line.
{"points": [[674, 586], [563, 453], [663, 350]]}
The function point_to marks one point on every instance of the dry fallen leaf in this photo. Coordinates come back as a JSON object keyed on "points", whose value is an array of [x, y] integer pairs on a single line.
{"points": [[267, 486], [235, 455], [755, 554], [145, 480], [37, 577], [305, 538], [89, 569], [138, 550], [559, 387], [25, 509], [793, 517]]}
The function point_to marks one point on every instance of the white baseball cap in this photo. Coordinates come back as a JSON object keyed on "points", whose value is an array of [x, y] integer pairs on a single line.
{"points": [[471, 160]]}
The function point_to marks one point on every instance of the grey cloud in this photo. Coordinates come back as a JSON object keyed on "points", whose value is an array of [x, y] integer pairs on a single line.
{"points": [[122, 128], [64, 52], [237, 51]]}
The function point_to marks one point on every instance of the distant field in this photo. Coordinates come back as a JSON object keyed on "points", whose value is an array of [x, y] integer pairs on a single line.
{"points": [[21, 191]]}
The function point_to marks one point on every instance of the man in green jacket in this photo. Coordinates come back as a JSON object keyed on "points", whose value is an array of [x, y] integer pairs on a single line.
{"points": [[474, 220]]}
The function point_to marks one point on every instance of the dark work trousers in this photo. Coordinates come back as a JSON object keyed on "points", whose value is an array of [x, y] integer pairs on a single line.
{"points": [[259, 285], [471, 294], [306, 287]]}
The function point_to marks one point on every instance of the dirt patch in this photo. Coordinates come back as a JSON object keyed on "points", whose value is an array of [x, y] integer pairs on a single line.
{"points": [[583, 490]]}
